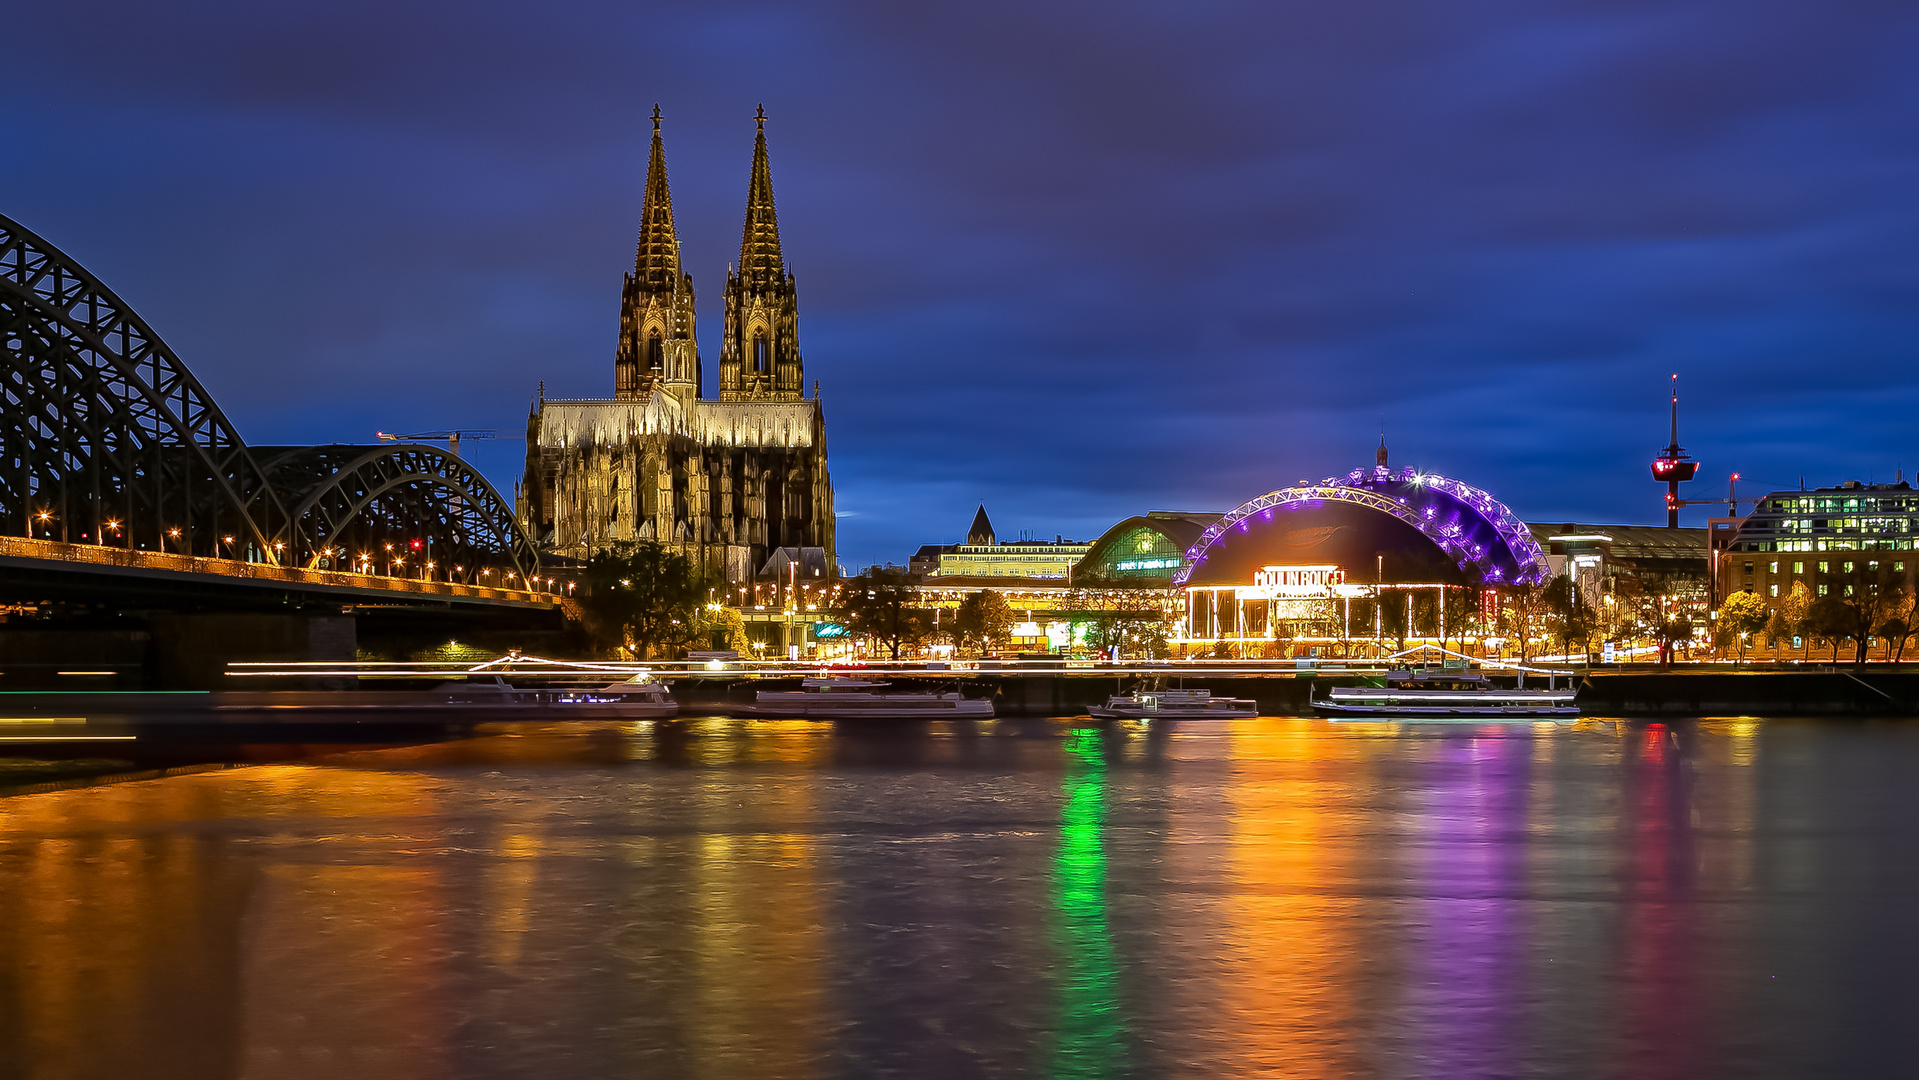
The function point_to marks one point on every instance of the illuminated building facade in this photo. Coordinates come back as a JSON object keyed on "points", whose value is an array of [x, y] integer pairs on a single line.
{"points": [[1808, 537], [1147, 550], [729, 481], [984, 556], [1290, 562]]}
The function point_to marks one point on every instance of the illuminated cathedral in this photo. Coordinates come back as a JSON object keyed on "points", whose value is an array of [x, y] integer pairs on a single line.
{"points": [[732, 480]]}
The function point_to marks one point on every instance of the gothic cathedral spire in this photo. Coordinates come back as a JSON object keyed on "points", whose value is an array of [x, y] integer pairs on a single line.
{"points": [[760, 353], [657, 349]]}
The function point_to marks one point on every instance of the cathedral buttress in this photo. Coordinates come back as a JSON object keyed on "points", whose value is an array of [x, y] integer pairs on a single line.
{"points": [[760, 350], [658, 349]]}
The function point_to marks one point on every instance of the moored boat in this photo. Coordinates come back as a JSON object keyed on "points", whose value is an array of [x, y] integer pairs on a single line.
{"points": [[1442, 695], [852, 698], [1174, 705], [641, 697]]}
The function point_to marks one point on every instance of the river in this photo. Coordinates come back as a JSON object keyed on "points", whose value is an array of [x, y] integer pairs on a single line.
{"points": [[726, 899]]}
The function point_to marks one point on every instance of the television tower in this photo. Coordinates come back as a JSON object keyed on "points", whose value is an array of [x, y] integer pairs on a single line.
{"points": [[1673, 464]]}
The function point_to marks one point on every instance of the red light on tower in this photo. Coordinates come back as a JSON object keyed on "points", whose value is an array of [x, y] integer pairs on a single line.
{"points": [[415, 544]]}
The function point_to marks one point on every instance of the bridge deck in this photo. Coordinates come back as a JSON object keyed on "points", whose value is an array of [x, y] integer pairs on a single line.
{"points": [[52, 556]]}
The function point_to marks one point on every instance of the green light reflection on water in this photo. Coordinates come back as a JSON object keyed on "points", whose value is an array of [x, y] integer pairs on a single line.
{"points": [[1089, 1026]]}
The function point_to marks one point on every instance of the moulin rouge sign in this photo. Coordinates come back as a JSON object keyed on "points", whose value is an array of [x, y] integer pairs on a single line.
{"points": [[1272, 582]]}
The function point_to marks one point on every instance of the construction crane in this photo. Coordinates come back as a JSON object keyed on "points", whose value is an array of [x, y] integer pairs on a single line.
{"points": [[450, 436], [1732, 499]]}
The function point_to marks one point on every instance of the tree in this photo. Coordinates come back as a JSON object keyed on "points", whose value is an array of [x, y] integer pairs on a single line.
{"points": [[1570, 615], [1522, 615], [1458, 614], [647, 594], [1826, 618], [1864, 595], [1742, 615], [1897, 630], [1119, 616], [983, 619], [882, 605], [726, 629], [1666, 602], [1791, 618], [1393, 617]]}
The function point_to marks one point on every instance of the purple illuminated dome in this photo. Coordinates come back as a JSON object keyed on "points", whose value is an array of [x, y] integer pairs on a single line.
{"points": [[1416, 525]]}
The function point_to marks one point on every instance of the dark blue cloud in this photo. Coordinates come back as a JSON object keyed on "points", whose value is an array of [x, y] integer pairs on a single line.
{"points": [[1075, 261]]}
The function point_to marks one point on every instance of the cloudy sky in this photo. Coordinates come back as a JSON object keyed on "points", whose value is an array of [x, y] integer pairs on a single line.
{"points": [[1073, 260]]}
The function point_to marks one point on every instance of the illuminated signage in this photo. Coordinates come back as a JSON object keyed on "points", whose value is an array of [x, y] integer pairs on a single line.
{"points": [[1273, 582], [1147, 564]]}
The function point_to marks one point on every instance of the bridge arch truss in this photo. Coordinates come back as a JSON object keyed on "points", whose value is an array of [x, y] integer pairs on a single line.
{"points": [[107, 438]]}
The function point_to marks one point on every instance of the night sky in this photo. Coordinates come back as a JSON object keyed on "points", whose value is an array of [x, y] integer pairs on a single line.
{"points": [[1076, 261]]}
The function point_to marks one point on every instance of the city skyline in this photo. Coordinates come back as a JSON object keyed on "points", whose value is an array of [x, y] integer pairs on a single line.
{"points": [[1072, 271]]}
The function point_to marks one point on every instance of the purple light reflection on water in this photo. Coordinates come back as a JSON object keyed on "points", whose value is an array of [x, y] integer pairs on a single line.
{"points": [[1466, 935]]}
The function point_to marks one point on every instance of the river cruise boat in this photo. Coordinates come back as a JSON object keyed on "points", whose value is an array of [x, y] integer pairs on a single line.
{"points": [[641, 697], [1445, 695], [862, 699], [1174, 705]]}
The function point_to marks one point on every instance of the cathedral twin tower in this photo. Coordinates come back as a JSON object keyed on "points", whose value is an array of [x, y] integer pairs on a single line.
{"points": [[738, 482], [760, 352]]}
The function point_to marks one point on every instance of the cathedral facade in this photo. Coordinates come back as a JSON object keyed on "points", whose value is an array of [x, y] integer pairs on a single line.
{"points": [[730, 480]]}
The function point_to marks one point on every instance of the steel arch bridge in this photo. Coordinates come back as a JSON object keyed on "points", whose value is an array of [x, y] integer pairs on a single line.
{"points": [[106, 438], [351, 498]]}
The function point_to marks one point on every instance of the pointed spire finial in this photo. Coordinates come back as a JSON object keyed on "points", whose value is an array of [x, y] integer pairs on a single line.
{"points": [[760, 260], [658, 260]]}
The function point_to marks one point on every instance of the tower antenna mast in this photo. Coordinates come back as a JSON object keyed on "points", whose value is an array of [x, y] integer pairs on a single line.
{"points": [[1673, 464]]}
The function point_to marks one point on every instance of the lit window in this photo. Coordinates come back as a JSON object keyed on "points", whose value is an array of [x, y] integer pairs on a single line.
{"points": [[1822, 590], [1825, 568], [1848, 568], [1772, 568], [1898, 568], [1798, 568], [1773, 589]]}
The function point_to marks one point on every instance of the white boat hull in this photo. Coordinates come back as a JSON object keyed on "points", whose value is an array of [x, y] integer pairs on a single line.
{"points": [[1129, 711], [800, 705], [1448, 704]]}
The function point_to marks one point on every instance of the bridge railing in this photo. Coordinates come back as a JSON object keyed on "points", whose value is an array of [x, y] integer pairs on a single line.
{"points": [[103, 555]]}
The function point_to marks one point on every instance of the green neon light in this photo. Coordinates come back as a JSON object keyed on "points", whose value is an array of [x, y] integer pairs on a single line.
{"points": [[1090, 1028]]}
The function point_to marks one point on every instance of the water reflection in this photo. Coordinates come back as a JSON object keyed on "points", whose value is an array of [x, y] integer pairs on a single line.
{"points": [[1090, 1032], [726, 898]]}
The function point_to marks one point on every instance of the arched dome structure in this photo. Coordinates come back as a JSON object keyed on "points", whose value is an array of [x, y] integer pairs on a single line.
{"points": [[1415, 525]]}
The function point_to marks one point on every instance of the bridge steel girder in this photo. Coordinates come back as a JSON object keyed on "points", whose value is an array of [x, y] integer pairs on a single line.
{"points": [[419, 491], [102, 421]]}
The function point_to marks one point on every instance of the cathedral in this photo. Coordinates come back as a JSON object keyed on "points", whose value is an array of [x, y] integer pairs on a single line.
{"points": [[737, 482]]}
